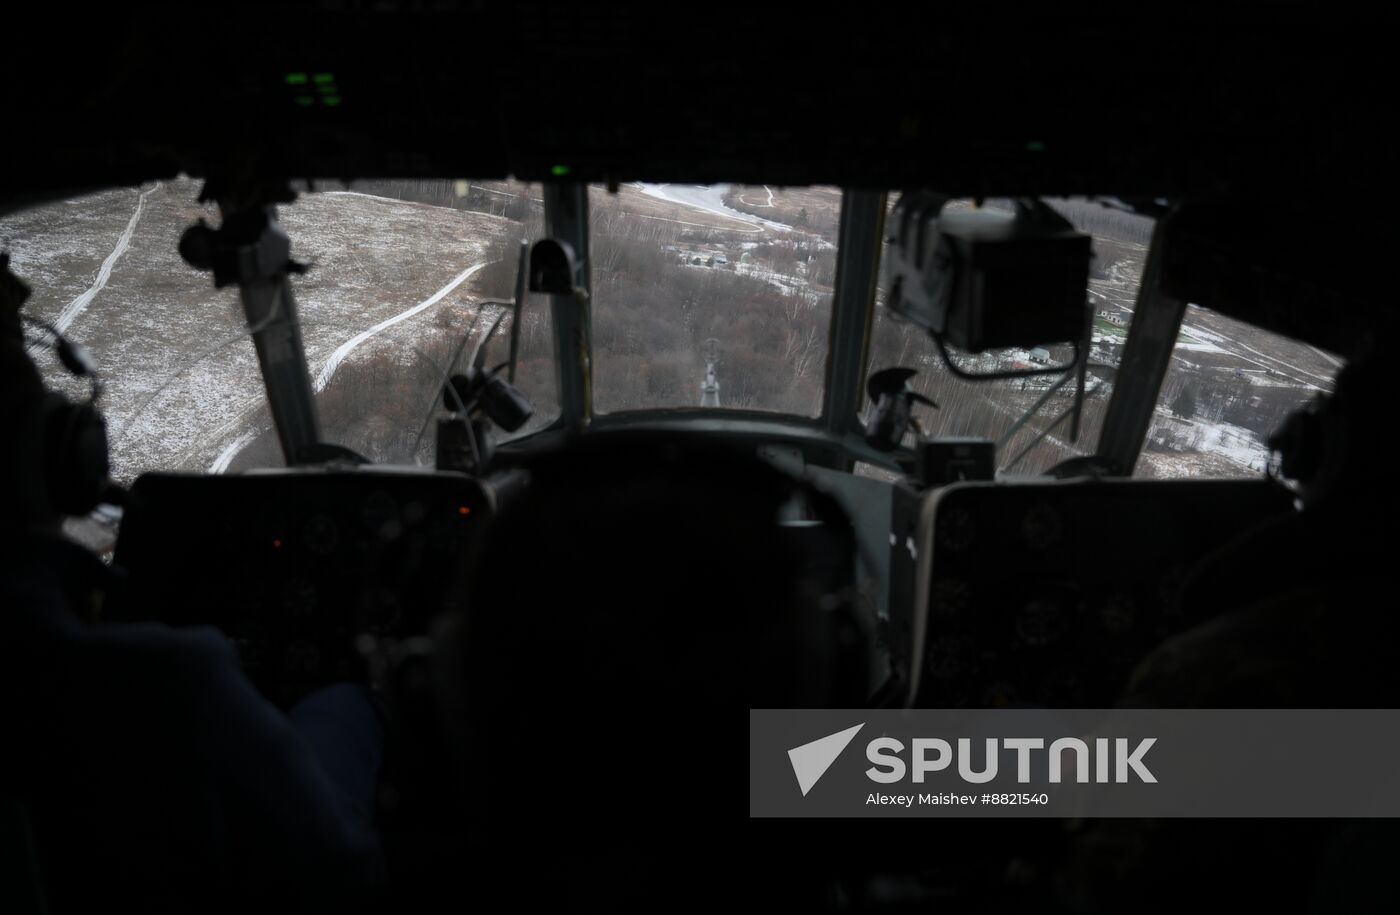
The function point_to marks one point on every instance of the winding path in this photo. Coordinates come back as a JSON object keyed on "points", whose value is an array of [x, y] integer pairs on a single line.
{"points": [[328, 368], [709, 199], [76, 307], [323, 378]]}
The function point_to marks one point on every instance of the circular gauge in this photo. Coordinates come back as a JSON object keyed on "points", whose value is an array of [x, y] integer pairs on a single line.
{"points": [[950, 597], [1039, 622], [955, 529], [945, 658], [322, 534], [381, 516], [1042, 527]]}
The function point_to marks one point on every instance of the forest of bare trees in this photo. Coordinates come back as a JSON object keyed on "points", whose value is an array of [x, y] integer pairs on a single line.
{"points": [[769, 306]]}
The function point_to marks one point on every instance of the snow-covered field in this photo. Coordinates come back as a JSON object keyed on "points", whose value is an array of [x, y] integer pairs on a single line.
{"points": [[786, 283], [1244, 380], [183, 389], [710, 199], [1239, 446]]}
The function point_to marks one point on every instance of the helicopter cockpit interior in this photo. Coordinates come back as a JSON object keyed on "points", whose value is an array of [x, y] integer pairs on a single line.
{"points": [[567, 376]]}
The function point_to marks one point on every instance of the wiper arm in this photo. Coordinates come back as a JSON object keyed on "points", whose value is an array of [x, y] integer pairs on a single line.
{"points": [[1034, 408], [1069, 411], [1040, 402]]}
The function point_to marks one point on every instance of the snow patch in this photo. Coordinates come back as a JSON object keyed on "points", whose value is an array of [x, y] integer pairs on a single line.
{"points": [[333, 363], [80, 304], [1238, 445], [708, 198]]}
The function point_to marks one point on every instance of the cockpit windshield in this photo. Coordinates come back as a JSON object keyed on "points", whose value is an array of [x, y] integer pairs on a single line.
{"points": [[712, 296], [394, 274]]}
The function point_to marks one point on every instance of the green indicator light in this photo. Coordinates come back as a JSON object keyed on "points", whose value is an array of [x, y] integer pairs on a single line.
{"points": [[325, 88], [332, 100], [560, 171], [324, 78], [305, 100], [1035, 146], [296, 79]]}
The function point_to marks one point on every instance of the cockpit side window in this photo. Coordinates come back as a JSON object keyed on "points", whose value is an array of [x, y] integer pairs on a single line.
{"points": [[1229, 387]]}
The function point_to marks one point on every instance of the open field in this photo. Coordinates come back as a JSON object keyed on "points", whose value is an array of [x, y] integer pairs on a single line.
{"points": [[393, 280], [182, 381]]}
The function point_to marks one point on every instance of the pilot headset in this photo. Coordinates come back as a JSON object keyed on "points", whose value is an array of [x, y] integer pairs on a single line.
{"points": [[1329, 440], [73, 435]]}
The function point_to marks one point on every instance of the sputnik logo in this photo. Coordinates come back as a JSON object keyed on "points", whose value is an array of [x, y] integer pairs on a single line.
{"points": [[811, 760]]}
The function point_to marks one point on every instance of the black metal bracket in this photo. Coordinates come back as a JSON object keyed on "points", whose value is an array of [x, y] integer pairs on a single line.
{"points": [[249, 247], [250, 250]]}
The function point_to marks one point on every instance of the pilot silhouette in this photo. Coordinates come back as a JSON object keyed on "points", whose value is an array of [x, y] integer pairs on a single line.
{"points": [[147, 769], [1292, 621]]}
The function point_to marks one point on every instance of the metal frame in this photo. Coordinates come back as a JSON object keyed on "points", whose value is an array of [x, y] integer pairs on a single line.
{"points": [[566, 219], [819, 445], [835, 438], [832, 439], [271, 312], [852, 308], [1147, 355]]}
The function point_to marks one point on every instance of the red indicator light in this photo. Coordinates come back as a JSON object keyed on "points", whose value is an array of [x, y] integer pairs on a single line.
{"points": [[463, 510], [277, 544]]}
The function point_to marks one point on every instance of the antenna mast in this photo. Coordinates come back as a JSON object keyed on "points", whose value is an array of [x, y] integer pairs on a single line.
{"points": [[709, 388]]}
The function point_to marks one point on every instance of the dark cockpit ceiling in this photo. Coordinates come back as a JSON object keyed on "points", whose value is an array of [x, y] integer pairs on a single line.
{"points": [[1095, 98], [1275, 115]]}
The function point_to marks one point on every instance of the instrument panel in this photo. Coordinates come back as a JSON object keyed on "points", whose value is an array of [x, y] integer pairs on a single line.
{"points": [[1050, 593], [293, 566]]}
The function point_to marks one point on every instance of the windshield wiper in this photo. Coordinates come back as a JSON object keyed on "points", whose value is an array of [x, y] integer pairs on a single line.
{"points": [[1069, 411]]}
